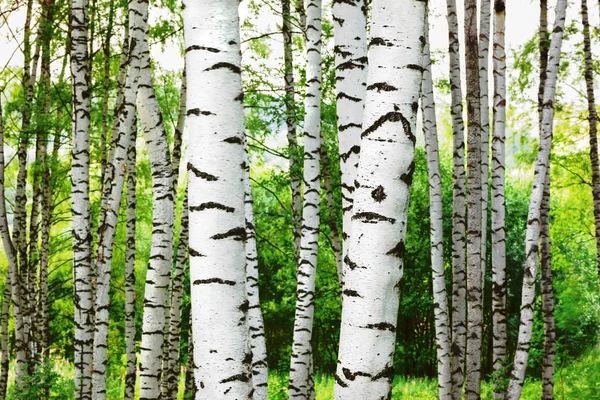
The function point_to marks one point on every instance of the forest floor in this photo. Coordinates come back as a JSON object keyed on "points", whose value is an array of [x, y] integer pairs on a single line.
{"points": [[578, 380]]}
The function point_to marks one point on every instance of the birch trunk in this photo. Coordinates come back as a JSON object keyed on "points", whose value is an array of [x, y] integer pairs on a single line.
{"points": [[376, 247], [301, 384], [260, 372], [440, 301], [216, 195], [350, 28], [190, 386], [106, 89], [474, 272], [593, 122], [484, 107], [80, 202], [160, 265], [290, 110], [130, 350], [4, 340], [499, 203], [533, 219], [459, 300]]}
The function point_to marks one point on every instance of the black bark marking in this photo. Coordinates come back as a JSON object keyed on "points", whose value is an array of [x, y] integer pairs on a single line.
{"points": [[382, 326], [398, 250], [196, 47], [233, 68], [196, 111], [200, 174], [351, 293], [372, 218], [212, 206], [214, 280], [382, 86], [238, 233], [379, 194]]}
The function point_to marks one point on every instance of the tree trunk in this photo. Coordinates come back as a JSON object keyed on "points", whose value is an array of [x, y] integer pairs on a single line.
{"points": [[260, 372], [484, 107], [474, 289], [216, 197], [376, 247], [290, 110], [4, 340], [160, 265], [593, 122], [80, 202], [106, 87], [130, 350], [440, 301], [301, 384], [190, 385], [459, 302], [533, 219], [499, 204], [350, 27]]}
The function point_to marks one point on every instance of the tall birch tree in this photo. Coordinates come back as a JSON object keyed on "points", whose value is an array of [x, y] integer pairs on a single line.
{"points": [[301, 384], [533, 219], [440, 302], [216, 200], [498, 228], [376, 247]]}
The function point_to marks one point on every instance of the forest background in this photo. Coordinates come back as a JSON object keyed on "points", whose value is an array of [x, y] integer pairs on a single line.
{"points": [[577, 300]]}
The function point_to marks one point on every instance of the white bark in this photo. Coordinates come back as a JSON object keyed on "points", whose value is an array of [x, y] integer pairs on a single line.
{"points": [[375, 253], [256, 326], [533, 218], [350, 28], [301, 384], [440, 301], [80, 202], [216, 197], [160, 265], [498, 201]]}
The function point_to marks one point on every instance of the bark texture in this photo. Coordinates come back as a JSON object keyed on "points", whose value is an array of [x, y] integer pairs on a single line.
{"points": [[376, 247], [498, 229], [216, 200], [533, 219], [301, 384], [474, 233], [440, 301]]}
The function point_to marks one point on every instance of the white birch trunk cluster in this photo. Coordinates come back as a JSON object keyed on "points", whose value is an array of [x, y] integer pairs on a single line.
{"points": [[376, 246], [533, 219], [222, 354]]}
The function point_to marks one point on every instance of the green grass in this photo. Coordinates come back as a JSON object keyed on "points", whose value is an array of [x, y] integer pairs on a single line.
{"points": [[578, 380]]}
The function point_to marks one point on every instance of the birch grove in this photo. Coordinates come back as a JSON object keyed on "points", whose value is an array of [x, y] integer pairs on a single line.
{"points": [[232, 200]]}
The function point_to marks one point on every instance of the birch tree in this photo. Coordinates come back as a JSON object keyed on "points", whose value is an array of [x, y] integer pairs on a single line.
{"points": [[376, 247], [301, 384], [533, 219], [350, 34], [440, 301], [459, 300], [498, 228], [474, 233], [216, 200], [80, 202]]}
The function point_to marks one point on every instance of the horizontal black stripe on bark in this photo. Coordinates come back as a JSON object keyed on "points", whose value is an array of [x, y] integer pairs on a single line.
{"points": [[220, 65], [214, 280]]}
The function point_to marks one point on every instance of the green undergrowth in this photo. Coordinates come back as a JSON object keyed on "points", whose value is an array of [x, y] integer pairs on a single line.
{"points": [[578, 380]]}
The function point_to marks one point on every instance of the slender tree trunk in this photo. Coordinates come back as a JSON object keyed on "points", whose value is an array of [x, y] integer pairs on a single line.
{"points": [[160, 266], [216, 197], [106, 88], [440, 301], [4, 340], [130, 350], [459, 300], [80, 201], [260, 372], [301, 384], [376, 247], [350, 27], [484, 107], [290, 109], [190, 386], [499, 204], [474, 289], [593, 122], [533, 219]]}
